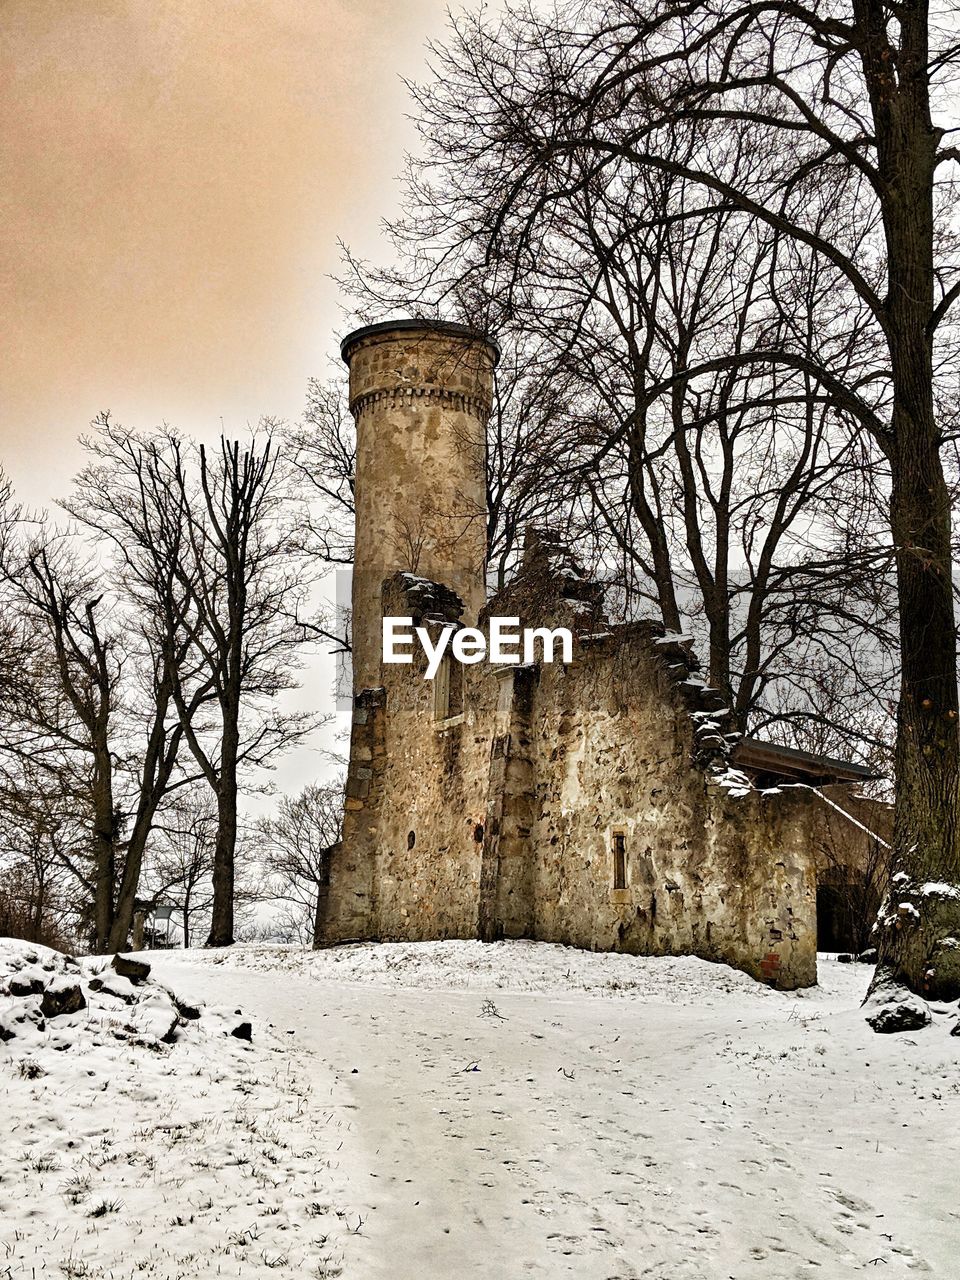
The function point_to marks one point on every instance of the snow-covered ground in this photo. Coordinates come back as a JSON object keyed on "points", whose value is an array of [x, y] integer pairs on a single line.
{"points": [[445, 1111]]}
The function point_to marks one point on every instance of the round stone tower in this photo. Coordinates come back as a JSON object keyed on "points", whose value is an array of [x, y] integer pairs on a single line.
{"points": [[421, 393]]}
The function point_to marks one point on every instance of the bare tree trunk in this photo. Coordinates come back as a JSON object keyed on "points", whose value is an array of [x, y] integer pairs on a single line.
{"points": [[104, 837], [124, 914], [186, 918], [40, 900], [914, 930], [916, 923], [158, 765], [652, 523], [221, 922]]}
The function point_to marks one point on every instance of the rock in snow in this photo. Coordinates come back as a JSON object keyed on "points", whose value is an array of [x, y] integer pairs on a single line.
{"points": [[135, 970], [908, 1014], [40, 988], [891, 1007], [61, 997]]}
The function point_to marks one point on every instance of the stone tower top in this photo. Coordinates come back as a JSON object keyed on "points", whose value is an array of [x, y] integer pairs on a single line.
{"points": [[449, 327], [421, 392], [420, 358]]}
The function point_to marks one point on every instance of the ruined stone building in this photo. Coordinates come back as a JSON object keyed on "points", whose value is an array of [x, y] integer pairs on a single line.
{"points": [[598, 802]]}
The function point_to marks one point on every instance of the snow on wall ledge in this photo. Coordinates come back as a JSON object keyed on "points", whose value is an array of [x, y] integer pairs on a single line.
{"points": [[567, 804]]}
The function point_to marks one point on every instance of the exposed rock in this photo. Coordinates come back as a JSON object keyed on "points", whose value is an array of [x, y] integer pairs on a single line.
{"points": [[243, 1031], [62, 997], [869, 956], [154, 1016], [121, 1001], [13, 1021], [891, 1007], [189, 1012], [844, 958], [135, 970], [21, 985], [908, 1015], [118, 987]]}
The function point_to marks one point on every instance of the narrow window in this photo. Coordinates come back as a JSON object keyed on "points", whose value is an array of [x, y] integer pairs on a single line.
{"points": [[619, 860], [448, 689], [441, 690]]}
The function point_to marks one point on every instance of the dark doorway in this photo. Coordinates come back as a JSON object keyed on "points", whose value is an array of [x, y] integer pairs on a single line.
{"points": [[836, 928]]}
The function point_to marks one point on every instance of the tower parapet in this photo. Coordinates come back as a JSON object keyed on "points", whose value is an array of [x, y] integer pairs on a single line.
{"points": [[421, 393]]}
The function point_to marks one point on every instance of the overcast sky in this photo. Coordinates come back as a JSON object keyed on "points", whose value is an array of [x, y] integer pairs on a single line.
{"points": [[174, 176]]}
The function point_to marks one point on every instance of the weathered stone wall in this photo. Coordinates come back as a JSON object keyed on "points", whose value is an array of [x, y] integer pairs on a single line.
{"points": [[494, 813], [413, 825], [499, 822], [421, 396], [724, 876], [508, 905]]}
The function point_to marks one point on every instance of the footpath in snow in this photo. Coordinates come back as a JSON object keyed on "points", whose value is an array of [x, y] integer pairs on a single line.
{"points": [[441, 1111]]}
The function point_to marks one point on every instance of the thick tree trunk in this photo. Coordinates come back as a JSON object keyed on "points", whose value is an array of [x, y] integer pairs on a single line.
{"points": [[132, 867], [928, 747], [921, 917], [652, 523], [224, 852], [104, 839], [126, 898], [719, 623], [159, 759], [221, 922], [130, 880]]}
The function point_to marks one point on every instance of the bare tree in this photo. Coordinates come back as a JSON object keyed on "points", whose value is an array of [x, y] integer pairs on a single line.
{"points": [[694, 484], [185, 629], [90, 712], [321, 450], [532, 436], [250, 591], [179, 868], [296, 844], [37, 886], [132, 497], [61, 709], [211, 557]]}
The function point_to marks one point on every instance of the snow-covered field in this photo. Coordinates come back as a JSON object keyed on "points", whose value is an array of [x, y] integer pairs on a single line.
{"points": [[445, 1111]]}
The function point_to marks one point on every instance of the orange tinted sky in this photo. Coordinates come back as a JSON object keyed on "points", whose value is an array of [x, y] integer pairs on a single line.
{"points": [[174, 175]]}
